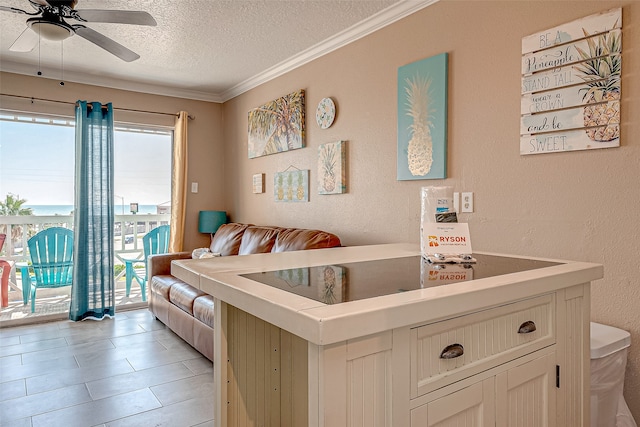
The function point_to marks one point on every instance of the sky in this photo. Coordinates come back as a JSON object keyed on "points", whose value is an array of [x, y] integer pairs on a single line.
{"points": [[37, 164]]}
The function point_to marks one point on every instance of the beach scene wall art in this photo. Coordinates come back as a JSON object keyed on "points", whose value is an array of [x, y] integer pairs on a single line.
{"points": [[277, 126]]}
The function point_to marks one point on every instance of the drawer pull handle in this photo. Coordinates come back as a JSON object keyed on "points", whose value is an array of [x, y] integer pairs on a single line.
{"points": [[527, 327], [452, 351]]}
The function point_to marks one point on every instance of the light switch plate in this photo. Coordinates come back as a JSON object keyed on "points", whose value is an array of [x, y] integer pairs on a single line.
{"points": [[194, 187]]}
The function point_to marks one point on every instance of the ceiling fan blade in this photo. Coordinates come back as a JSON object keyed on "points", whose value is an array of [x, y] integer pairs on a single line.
{"points": [[116, 16], [13, 10], [106, 43], [38, 4], [25, 41]]}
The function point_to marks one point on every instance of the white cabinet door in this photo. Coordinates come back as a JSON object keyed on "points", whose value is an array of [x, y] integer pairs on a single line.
{"points": [[472, 406], [526, 394]]}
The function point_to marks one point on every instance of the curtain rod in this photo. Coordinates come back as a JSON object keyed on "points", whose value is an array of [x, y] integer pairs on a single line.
{"points": [[75, 104]]}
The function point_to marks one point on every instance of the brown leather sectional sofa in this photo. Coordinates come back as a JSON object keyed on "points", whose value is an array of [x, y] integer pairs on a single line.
{"points": [[189, 311]]}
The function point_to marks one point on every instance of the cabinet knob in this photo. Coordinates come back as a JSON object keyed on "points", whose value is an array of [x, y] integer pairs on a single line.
{"points": [[452, 351], [527, 327]]}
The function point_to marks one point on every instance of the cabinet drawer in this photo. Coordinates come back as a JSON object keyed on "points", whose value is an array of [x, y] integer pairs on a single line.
{"points": [[478, 341]]}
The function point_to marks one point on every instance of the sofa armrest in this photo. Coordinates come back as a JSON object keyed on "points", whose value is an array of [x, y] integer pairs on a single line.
{"points": [[161, 263]]}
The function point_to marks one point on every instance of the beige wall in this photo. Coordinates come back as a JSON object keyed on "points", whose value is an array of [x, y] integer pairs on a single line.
{"points": [[205, 132], [579, 205]]}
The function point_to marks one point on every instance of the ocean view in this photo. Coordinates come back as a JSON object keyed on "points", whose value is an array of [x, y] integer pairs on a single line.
{"points": [[44, 210]]}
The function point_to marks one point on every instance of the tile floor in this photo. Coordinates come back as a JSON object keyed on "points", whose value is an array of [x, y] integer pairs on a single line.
{"points": [[126, 371]]}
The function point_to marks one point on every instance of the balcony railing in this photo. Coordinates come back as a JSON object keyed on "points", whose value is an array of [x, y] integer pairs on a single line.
{"points": [[128, 232]]}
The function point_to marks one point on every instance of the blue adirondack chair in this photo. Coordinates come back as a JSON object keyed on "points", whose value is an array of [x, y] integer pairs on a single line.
{"points": [[51, 253], [154, 242]]}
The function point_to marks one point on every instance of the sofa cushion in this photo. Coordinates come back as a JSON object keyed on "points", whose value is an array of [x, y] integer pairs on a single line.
{"points": [[296, 239], [162, 283], [257, 240], [227, 239], [203, 310], [182, 295]]}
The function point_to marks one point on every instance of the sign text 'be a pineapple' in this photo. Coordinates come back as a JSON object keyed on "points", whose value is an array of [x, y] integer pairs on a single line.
{"points": [[571, 86]]}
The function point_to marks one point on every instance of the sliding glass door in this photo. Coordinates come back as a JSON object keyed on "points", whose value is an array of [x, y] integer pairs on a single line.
{"points": [[36, 192]]}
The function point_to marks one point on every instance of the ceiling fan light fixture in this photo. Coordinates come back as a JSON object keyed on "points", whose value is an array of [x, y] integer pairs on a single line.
{"points": [[50, 30], [52, 25]]}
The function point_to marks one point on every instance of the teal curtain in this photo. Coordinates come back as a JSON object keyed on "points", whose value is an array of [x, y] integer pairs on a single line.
{"points": [[93, 289]]}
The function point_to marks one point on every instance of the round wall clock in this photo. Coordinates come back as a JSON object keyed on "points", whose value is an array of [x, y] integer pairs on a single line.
{"points": [[326, 113]]}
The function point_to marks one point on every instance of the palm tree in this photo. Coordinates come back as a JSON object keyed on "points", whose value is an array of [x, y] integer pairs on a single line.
{"points": [[12, 206], [280, 122]]}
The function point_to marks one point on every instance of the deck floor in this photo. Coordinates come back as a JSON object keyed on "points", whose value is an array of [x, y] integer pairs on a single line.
{"points": [[53, 304]]}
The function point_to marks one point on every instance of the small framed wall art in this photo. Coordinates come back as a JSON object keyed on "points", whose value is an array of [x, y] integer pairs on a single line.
{"points": [[291, 186], [332, 168], [258, 183]]}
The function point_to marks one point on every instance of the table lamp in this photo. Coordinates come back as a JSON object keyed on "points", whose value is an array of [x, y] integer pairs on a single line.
{"points": [[210, 221]]}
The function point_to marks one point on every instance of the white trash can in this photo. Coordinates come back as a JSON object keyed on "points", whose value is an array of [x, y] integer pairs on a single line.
{"points": [[608, 362]]}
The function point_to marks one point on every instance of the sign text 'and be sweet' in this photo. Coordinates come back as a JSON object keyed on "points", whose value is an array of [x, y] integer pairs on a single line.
{"points": [[571, 86]]}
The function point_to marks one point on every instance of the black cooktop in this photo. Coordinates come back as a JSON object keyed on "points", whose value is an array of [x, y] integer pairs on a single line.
{"points": [[337, 283]]}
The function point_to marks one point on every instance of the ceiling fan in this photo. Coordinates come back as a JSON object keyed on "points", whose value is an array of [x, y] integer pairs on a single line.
{"points": [[48, 21]]}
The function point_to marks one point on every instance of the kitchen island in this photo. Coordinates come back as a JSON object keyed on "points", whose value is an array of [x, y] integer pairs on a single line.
{"points": [[376, 336]]}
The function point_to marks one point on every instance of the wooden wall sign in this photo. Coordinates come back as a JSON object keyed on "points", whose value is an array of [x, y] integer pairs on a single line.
{"points": [[258, 183], [570, 96]]}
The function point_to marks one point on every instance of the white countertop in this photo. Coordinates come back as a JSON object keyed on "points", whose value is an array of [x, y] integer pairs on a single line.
{"points": [[324, 324]]}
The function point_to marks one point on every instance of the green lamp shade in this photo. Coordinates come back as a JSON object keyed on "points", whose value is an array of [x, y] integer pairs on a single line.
{"points": [[210, 221]]}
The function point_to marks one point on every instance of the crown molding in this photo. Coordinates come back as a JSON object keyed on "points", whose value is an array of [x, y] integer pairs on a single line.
{"points": [[374, 23], [112, 83]]}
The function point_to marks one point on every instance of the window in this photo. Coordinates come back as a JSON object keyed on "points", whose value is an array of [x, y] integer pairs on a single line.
{"points": [[142, 166], [37, 164]]}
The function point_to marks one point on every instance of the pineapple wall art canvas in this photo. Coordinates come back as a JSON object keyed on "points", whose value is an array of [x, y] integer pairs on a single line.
{"points": [[291, 186], [422, 119], [332, 168], [570, 96], [277, 126]]}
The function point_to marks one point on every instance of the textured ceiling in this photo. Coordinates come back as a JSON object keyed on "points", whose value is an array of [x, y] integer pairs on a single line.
{"points": [[200, 49]]}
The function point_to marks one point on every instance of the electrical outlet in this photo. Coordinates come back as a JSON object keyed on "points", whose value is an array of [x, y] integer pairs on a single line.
{"points": [[467, 202], [194, 187]]}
